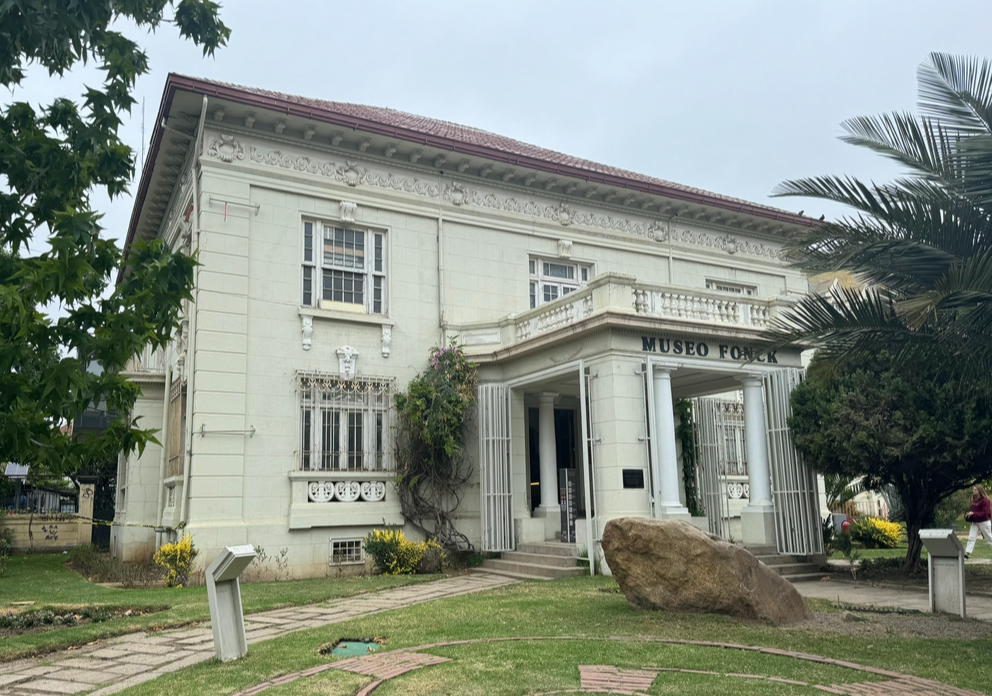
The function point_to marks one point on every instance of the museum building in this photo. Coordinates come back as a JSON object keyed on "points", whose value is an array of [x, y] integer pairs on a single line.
{"points": [[339, 243]]}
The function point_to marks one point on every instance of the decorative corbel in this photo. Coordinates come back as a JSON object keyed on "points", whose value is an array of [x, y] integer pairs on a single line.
{"points": [[346, 361], [307, 332], [387, 339], [348, 210]]}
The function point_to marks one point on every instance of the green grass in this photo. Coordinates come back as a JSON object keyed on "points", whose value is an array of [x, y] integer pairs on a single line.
{"points": [[580, 607], [982, 550], [46, 581]]}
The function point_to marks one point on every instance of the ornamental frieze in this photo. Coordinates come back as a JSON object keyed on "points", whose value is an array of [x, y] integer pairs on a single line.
{"points": [[458, 194]]}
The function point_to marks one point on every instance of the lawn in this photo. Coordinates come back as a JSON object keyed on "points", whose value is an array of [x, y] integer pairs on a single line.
{"points": [[978, 577], [581, 616], [45, 580]]}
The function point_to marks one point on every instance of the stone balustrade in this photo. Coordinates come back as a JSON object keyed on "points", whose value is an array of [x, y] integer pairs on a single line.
{"points": [[620, 294]]}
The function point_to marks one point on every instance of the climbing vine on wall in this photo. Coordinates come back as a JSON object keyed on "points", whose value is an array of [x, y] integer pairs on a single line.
{"points": [[686, 434], [431, 466]]}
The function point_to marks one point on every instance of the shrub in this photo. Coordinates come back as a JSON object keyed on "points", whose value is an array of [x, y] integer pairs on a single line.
{"points": [[177, 559], [394, 554], [827, 530], [949, 512], [875, 567], [433, 560], [6, 547], [873, 533]]}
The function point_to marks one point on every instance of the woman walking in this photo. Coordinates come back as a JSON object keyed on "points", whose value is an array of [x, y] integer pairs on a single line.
{"points": [[979, 516]]}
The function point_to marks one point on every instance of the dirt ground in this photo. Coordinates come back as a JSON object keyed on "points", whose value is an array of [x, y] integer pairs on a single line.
{"points": [[867, 624]]}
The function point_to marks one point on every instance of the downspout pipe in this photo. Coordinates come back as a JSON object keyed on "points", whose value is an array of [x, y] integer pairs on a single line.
{"points": [[162, 459], [441, 323], [191, 358]]}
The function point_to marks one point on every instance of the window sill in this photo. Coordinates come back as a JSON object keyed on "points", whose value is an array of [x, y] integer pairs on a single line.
{"points": [[353, 317]]}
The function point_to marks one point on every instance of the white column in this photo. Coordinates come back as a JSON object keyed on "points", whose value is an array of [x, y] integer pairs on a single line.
{"points": [[548, 451], [758, 518], [667, 481]]}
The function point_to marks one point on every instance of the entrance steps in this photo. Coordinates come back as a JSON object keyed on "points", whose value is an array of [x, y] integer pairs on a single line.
{"points": [[552, 559], [792, 568], [545, 560]]}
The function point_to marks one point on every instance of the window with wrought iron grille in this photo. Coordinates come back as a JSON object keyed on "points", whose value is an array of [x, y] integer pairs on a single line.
{"points": [[344, 551], [550, 280], [344, 424], [344, 268]]}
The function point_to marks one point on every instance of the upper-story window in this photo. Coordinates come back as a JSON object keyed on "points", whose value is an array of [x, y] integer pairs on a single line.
{"points": [[550, 280], [732, 288], [344, 268]]}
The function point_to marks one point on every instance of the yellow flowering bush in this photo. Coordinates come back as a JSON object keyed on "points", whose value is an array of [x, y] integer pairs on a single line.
{"points": [[874, 533], [177, 559], [394, 554]]}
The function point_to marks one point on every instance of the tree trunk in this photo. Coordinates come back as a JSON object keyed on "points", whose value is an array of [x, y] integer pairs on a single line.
{"points": [[912, 563]]}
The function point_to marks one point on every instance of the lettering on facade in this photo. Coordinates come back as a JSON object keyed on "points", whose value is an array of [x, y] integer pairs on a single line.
{"points": [[701, 349]]}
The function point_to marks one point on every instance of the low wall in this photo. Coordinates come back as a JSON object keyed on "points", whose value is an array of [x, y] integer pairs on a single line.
{"points": [[47, 533]]}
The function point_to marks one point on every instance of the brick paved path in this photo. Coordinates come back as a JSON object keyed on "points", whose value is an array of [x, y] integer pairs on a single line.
{"points": [[115, 664]]}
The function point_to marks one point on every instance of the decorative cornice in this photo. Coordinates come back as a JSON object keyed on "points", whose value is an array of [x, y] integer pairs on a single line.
{"points": [[354, 174]]}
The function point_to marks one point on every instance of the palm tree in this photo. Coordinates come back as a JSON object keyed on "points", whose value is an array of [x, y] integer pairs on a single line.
{"points": [[921, 245]]}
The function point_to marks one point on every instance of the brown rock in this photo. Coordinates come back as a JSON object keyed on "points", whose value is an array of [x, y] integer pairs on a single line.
{"points": [[670, 565]]}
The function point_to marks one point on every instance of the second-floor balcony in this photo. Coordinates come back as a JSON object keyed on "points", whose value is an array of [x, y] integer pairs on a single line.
{"points": [[625, 299]]}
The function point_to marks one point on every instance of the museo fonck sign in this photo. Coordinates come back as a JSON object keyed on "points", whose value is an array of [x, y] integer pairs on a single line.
{"points": [[701, 349]]}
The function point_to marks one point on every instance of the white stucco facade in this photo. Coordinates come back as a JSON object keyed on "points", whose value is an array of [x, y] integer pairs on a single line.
{"points": [[273, 400]]}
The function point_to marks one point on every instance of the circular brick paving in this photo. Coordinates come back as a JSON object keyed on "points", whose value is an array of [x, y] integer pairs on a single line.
{"points": [[599, 679]]}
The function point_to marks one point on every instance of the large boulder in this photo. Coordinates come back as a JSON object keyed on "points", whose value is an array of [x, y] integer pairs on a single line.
{"points": [[669, 565]]}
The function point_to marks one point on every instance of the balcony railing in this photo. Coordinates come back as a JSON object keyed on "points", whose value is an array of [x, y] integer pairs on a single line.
{"points": [[620, 294], [149, 360]]}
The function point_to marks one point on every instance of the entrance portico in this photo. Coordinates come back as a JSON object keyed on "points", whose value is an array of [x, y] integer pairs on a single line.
{"points": [[622, 376]]}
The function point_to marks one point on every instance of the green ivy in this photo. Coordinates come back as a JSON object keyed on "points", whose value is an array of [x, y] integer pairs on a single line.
{"points": [[431, 466], [686, 434]]}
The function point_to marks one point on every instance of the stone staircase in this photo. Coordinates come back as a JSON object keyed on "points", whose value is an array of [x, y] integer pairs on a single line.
{"points": [[548, 560], [792, 568], [544, 560]]}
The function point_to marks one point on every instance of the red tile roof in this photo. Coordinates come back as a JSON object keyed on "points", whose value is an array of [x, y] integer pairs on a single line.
{"points": [[454, 133], [442, 135]]}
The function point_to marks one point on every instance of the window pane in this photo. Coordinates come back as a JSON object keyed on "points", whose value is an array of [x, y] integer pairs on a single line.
{"points": [[565, 290], [355, 441], [550, 293], [585, 274], [308, 242], [328, 443], [559, 270], [378, 253], [533, 294], [344, 248], [305, 439], [377, 294], [378, 442], [533, 267], [342, 286], [307, 286]]}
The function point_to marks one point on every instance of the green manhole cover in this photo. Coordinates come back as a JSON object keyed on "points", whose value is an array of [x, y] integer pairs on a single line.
{"points": [[354, 648]]}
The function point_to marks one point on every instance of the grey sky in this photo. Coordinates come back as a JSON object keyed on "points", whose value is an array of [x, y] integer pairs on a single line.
{"points": [[732, 97]]}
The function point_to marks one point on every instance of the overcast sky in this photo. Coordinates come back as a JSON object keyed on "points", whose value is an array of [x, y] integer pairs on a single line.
{"points": [[728, 96]]}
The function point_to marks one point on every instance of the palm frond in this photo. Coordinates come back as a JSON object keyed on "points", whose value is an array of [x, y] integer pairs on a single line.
{"points": [[958, 91], [921, 144], [965, 289]]}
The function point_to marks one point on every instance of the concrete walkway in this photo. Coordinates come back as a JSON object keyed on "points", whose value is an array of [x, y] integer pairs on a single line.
{"points": [[976, 606], [115, 664]]}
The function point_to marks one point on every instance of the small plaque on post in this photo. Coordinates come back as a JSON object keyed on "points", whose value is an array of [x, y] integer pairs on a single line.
{"points": [[945, 570], [224, 595]]}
